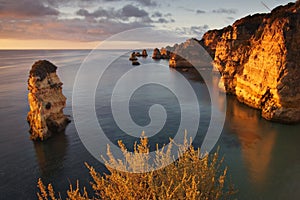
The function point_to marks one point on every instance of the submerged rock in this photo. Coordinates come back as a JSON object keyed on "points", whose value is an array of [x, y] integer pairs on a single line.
{"points": [[46, 101], [135, 63], [258, 59]]}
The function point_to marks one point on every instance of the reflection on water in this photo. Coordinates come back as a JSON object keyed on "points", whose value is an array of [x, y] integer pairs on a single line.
{"points": [[220, 103], [51, 154], [268, 154], [256, 143]]}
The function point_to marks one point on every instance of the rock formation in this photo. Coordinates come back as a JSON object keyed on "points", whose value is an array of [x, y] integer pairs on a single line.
{"points": [[179, 62], [144, 53], [165, 53], [133, 57], [135, 62], [156, 54], [258, 59], [46, 101], [138, 54], [188, 54]]}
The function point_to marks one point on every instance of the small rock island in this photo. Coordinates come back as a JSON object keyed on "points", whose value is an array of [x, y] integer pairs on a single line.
{"points": [[46, 101]]}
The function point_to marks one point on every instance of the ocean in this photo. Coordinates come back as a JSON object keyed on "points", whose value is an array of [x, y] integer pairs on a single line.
{"points": [[262, 157]]}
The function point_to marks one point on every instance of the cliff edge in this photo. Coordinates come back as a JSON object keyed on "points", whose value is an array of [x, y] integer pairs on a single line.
{"points": [[258, 58], [46, 101]]}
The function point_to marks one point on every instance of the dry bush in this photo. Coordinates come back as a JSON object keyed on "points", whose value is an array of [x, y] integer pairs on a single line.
{"points": [[48, 193], [188, 177]]}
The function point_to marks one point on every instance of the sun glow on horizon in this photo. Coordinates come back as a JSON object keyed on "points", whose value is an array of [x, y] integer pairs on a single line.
{"points": [[15, 44]]}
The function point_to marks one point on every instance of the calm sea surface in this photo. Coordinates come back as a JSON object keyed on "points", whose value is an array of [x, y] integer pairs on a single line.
{"points": [[263, 158]]}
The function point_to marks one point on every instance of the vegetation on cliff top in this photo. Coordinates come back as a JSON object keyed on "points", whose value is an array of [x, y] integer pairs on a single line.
{"points": [[41, 68], [189, 177]]}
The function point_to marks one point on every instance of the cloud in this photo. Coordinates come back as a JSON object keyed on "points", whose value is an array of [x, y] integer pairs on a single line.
{"points": [[124, 13], [225, 11], [132, 11], [162, 20], [86, 26], [26, 8], [157, 14], [128, 12], [93, 3], [147, 3], [45, 19], [168, 15], [193, 31], [68, 29], [186, 9], [100, 12], [200, 11]]}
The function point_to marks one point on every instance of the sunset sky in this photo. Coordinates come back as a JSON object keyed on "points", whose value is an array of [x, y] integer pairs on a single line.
{"points": [[82, 24]]}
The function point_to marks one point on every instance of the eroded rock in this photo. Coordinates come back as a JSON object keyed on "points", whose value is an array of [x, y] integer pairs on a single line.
{"points": [[156, 54], [144, 53], [188, 54], [46, 101]]}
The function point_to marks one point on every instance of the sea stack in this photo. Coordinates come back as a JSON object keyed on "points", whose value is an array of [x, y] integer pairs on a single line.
{"points": [[258, 58], [156, 54], [144, 53], [133, 57], [46, 101], [165, 54]]}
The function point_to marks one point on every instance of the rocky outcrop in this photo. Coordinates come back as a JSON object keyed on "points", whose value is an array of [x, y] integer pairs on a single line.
{"points": [[210, 40], [258, 59], [46, 101], [165, 53], [144, 53], [179, 62], [156, 54], [133, 57], [188, 54]]}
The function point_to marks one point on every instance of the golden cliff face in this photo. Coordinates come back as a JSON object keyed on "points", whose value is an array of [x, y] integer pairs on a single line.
{"points": [[189, 54], [46, 101], [258, 57]]}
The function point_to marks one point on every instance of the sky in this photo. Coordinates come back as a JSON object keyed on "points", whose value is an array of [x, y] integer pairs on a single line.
{"points": [[83, 24]]}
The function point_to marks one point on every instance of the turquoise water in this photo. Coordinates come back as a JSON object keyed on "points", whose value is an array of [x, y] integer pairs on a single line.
{"points": [[262, 157]]}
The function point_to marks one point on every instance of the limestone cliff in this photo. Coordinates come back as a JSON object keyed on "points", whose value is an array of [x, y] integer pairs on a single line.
{"points": [[188, 54], [258, 58], [46, 101]]}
